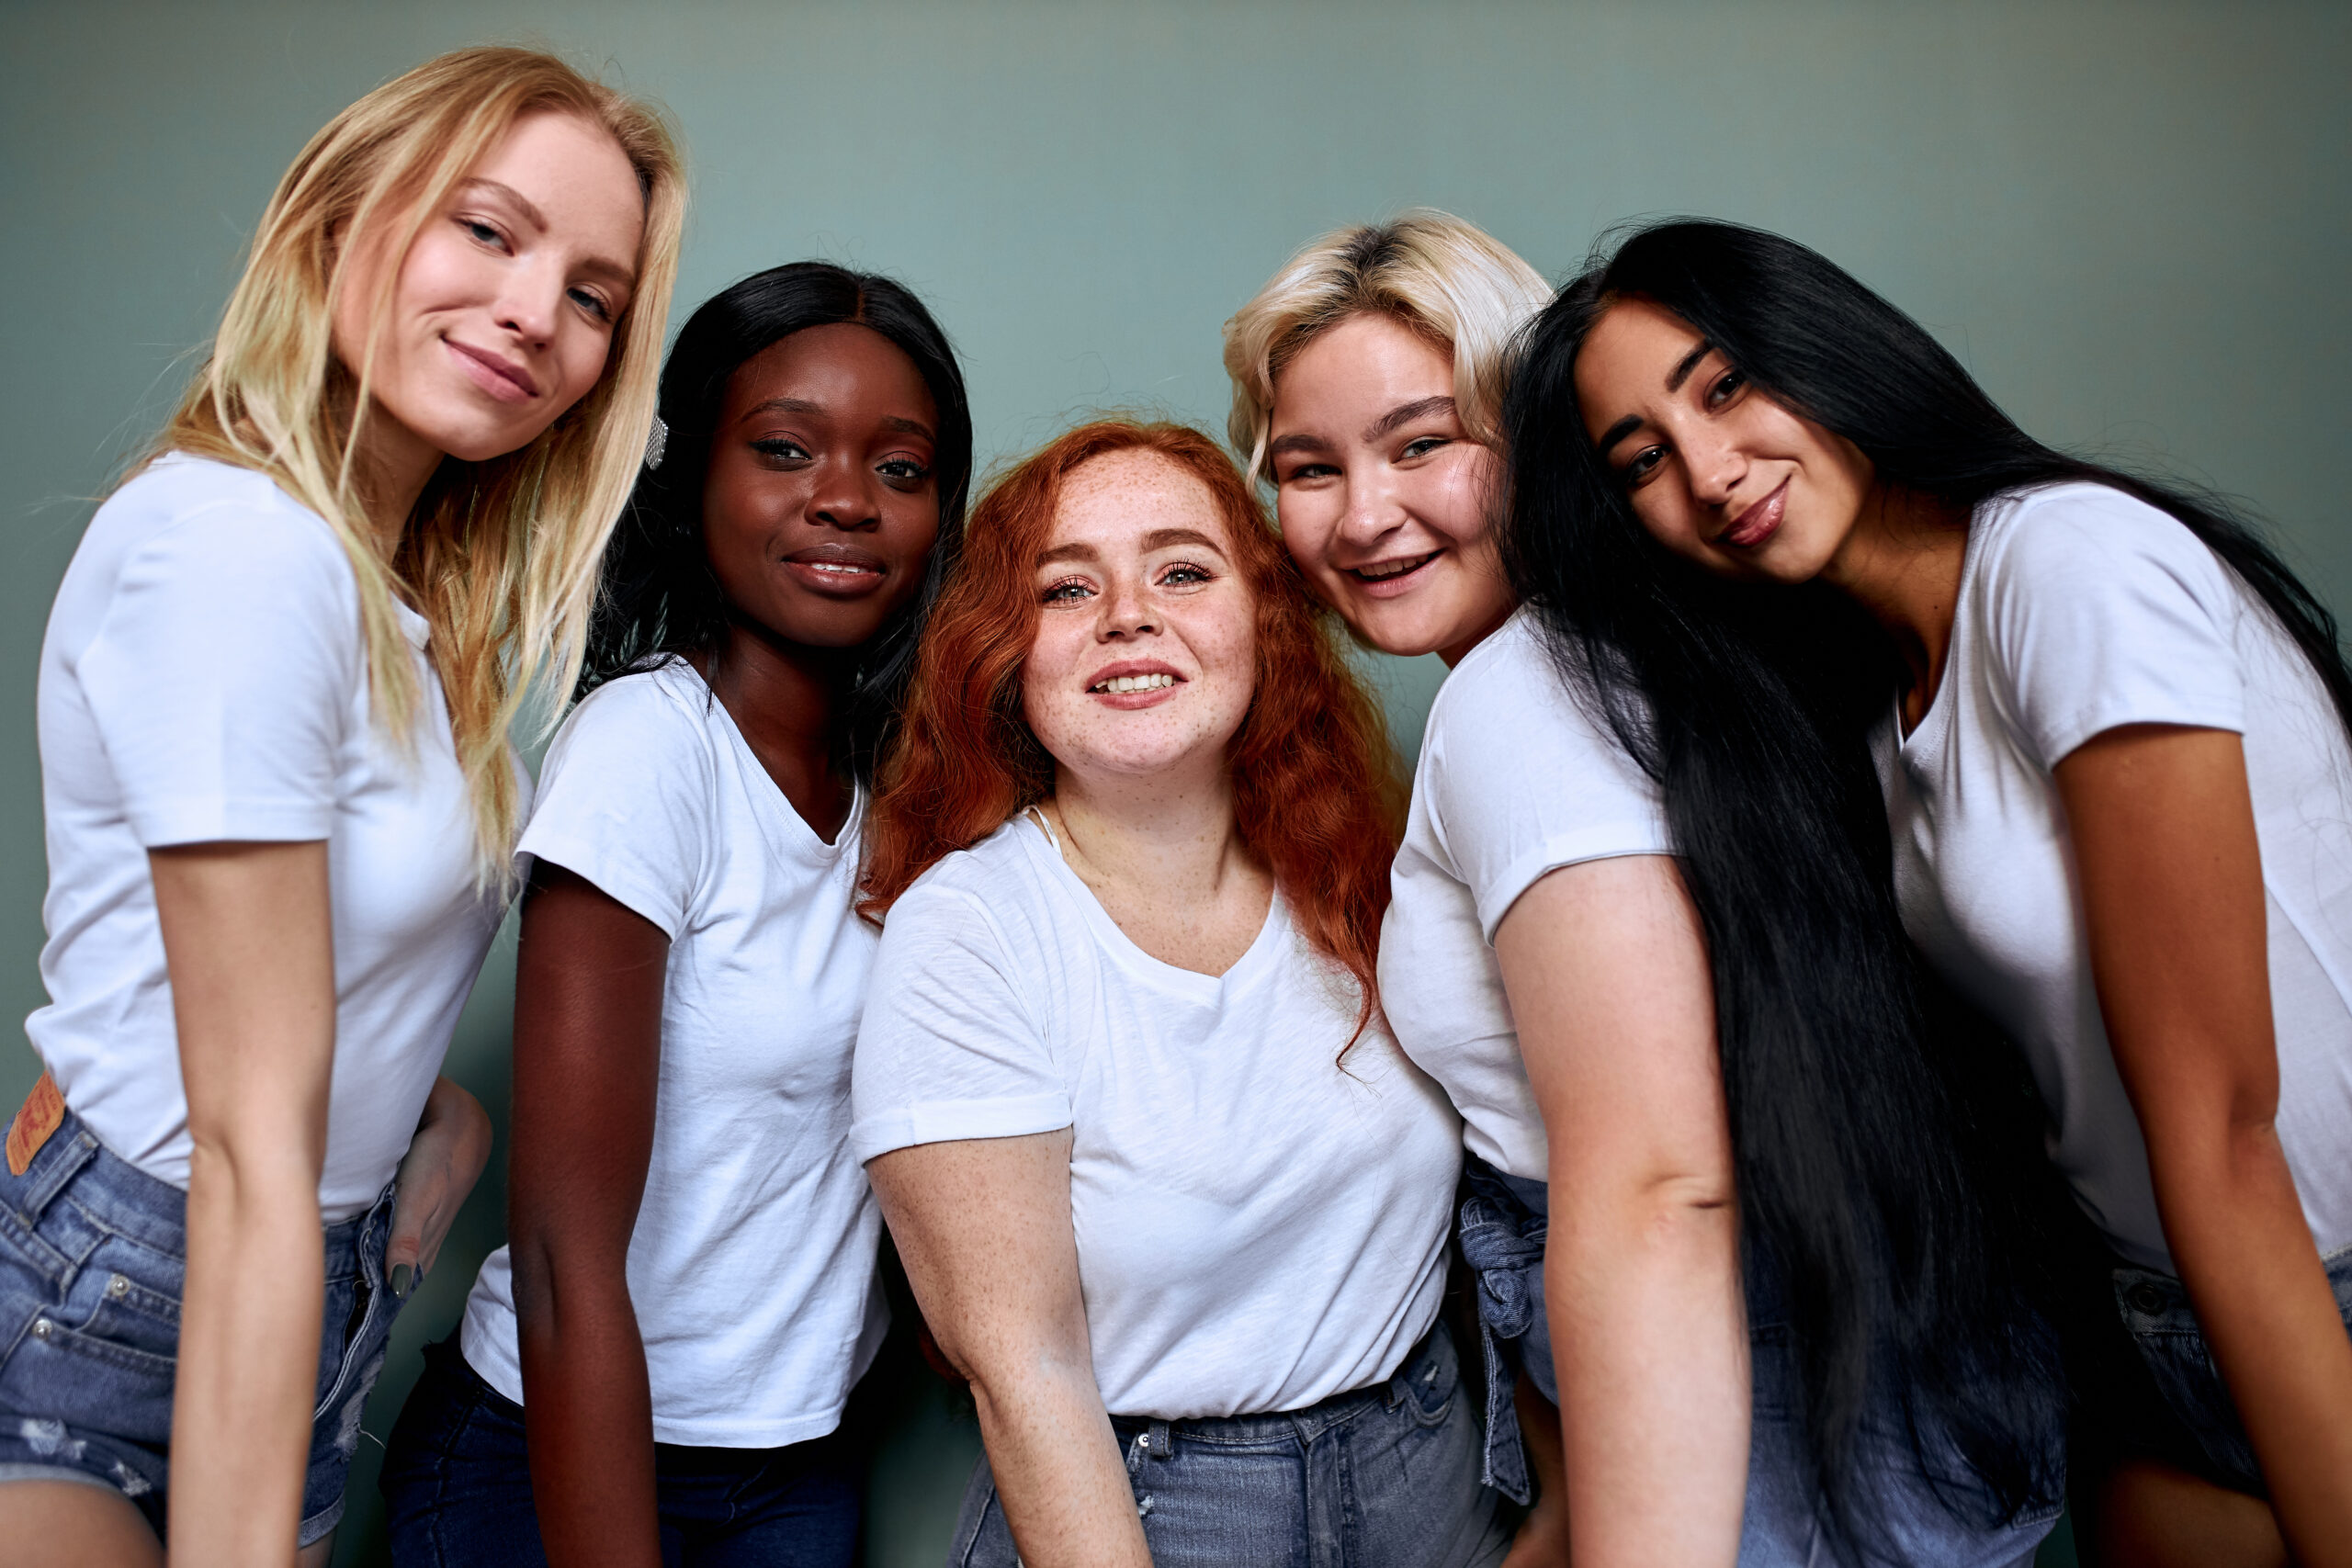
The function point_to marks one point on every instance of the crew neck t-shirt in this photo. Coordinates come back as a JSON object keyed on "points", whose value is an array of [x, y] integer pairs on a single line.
{"points": [[751, 1267], [2081, 609], [1515, 779], [1259, 1225], [203, 679]]}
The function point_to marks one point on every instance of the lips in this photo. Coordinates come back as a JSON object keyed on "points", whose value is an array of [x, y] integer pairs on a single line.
{"points": [[1134, 683], [1384, 579], [1760, 521], [502, 378], [837, 570]]}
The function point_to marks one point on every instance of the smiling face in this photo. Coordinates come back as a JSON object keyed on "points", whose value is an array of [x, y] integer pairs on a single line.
{"points": [[501, 314], [1382, 497], [819, 506], [1718, 471], [1146, 654]]}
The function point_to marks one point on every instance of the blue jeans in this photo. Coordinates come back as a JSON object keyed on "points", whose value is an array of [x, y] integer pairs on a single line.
{"points": [[93, 1256], [1381, 1477], [1503, 1223], [456, 1484]]}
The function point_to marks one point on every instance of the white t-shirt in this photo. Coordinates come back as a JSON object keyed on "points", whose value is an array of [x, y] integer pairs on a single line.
{"points": [[2081, 609], [203, 679], [1259, 1226], [752, 1266], [1515, 779]]}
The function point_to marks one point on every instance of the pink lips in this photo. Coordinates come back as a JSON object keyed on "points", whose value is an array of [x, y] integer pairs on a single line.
{"points": [[494, 374], [1760, 521]]}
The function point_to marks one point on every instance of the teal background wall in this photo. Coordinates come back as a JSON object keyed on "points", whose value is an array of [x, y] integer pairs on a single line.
{"points": [[2130, 220]]}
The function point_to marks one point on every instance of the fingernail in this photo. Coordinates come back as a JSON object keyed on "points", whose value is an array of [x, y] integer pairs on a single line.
{"points": [[404, 1279]]}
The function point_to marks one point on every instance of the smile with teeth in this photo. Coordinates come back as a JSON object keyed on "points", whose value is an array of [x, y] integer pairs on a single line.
{"points": [[1133, 683], [838, 568], [1384, 569]]}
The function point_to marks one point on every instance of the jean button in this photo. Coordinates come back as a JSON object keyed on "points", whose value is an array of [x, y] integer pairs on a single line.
{"points": [[117, 1287], [41, 1328], [2145, 1298]]}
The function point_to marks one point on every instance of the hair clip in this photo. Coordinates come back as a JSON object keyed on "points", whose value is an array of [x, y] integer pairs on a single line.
{"points": [[657, 442]]}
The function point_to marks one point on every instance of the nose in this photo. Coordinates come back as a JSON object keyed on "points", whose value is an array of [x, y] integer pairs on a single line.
{"points": [[529, 307], [1123, 611], [844, 496], [1714, 463], [1371, 510]]}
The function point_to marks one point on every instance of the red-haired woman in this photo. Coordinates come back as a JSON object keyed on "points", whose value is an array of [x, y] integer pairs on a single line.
{"points": [[1168, 1192]]}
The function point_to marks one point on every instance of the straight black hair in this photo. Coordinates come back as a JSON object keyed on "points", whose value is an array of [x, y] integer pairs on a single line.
{"points": [[1886, 1142], [659, 599]]}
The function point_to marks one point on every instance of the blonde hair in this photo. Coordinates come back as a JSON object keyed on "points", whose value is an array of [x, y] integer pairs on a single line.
{"points": [[1447, 279], [499, 556]]}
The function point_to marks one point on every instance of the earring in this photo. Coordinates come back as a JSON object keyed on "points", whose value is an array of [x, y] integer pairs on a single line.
{"points": [[657, 442]]}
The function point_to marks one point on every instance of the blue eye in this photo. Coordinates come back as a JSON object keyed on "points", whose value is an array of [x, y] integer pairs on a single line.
{"points": [[1068, 591], [592, 302], [1183, 575]]}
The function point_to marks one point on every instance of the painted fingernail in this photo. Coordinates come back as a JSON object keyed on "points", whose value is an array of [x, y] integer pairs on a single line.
{"points": [[404, 1279]]}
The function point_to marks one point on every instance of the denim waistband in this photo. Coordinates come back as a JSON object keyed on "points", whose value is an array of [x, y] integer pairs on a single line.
{"points": [[1301, 1425], [74, 1166]]}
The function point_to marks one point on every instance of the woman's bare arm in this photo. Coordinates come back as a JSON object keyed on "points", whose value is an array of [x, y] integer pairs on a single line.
{"points": [[588, 988], [248, 943], [1606, 969], [2163, 825], [984, 1228]]}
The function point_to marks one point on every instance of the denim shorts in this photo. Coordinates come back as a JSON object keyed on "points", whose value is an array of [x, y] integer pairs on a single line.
{"points": [[1503, 1226], [1381, 1477], [2203, 1432], [93, 1255], [456, 1484]]}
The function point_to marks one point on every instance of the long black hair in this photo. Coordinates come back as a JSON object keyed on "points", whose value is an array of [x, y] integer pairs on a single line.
{"points": [[658, 598], [1884, 1138]]}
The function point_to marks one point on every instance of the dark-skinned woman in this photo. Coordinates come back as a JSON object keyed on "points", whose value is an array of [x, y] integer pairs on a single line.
{"points": [[688, 1293]]}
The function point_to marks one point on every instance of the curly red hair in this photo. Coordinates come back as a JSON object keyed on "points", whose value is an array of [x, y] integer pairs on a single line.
{"points": [[1315, 790]]}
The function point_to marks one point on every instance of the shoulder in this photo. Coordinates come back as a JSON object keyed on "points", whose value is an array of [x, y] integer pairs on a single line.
{"points": [[211, 524], [642, 735], [665, 707], [1507, 716], [2083, 536], [970, 890]]}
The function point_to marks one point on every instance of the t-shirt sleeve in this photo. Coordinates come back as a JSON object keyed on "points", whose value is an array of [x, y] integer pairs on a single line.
{"points": [[624, 800], [223, 676], [948, 1047], [2102, 610], [1523, 781]]}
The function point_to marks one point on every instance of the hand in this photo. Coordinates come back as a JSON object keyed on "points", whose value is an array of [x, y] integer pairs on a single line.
{"points": [[443, 1162]]}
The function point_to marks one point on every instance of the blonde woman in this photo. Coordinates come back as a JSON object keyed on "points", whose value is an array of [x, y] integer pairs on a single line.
{"points": [[1543, 958], [274, 704]]}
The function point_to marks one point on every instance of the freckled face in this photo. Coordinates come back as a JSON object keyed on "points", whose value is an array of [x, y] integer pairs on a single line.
{"points": [[502, 311], [1718, 471], [819, 506], [1146, 654], [1382, 497]]}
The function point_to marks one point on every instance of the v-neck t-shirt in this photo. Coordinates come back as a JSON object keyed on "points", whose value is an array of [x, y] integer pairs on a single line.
{"points": [[2081, 609], [752, 1267], [1260, 1224]]}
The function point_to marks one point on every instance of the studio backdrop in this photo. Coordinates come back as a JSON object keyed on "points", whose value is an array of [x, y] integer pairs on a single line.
{"points": [[2131, 221]]}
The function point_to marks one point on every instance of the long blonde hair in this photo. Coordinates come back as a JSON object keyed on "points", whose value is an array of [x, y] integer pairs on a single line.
{"points": [[1448, 280], [499, 556]]}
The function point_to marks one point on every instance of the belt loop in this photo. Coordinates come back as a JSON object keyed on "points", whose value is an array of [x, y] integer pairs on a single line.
{"points": [[71, 1147], [1158, 1441]]}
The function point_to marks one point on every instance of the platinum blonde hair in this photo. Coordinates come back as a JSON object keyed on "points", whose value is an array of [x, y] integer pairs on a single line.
{"points": [[499, 556], [1447, 279]]}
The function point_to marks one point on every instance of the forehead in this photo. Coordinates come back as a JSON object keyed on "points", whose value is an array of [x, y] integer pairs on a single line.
{"points": [[576, 176], [1112, 502], [840, 364], [1369, 360], [1630, 353]]}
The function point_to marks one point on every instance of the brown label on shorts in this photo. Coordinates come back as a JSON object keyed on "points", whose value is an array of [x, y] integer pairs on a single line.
{"points": [[44, 1113]]}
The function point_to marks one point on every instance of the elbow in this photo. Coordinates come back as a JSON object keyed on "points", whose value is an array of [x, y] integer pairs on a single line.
{"points": [[1654, 1209]]}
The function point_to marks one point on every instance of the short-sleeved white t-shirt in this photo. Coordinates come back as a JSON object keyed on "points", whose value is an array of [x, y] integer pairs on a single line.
{"points": [[1515, 779], [1259, 1225], [2080, 610], [203, 679], [752, 1266]]}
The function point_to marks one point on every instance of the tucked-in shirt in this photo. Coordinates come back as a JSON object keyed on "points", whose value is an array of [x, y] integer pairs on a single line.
{"points": [[1260, 1224], [2080, 610], [1516, 779], [751, 1267], [204, 679]]}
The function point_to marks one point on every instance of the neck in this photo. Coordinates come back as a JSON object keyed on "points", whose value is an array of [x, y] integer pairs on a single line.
{"points": [[390, 469], [782, 695], [1172, 833], [1902, 564]]}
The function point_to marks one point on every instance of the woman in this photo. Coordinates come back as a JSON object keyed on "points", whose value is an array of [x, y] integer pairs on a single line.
{"points": [[1551, 958], [274, 706], [1167, 1192], [689, 1295], [2110, 727]]}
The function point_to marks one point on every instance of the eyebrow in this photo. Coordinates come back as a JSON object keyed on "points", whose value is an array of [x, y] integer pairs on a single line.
{"points": [[1406, 414], [1632, 422], [601, 266], [1690, 363], [1158, 539], [804, 405]]}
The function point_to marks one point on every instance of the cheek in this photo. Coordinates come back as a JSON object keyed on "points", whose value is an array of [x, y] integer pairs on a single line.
{"points": [[1307, 521], [1450, 499]]}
